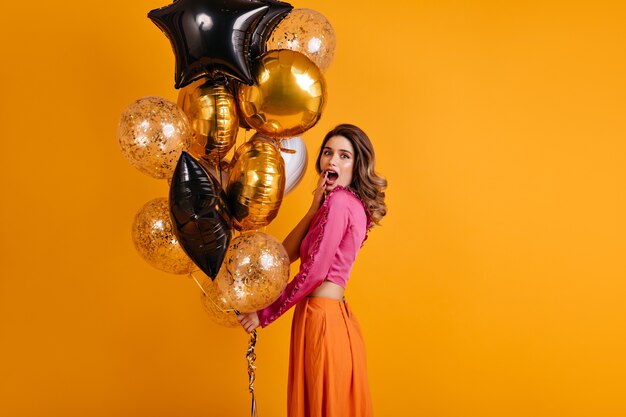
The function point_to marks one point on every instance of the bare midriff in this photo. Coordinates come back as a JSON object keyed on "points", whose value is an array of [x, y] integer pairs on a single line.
{"points": [[328, 290]]}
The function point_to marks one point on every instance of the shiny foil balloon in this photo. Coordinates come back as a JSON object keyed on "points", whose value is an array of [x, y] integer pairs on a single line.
{"points": [[256, 184], [214, 302], [254, 273], [278, 10], [294, 153], [221, 174], [154, 239], [288, 96], [212, 112], [308, 32], [199, 215], [210, 37], [152, 133]]}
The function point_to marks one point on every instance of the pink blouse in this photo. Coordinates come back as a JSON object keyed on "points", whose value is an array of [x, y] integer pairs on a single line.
{"points": [[328, 250]]}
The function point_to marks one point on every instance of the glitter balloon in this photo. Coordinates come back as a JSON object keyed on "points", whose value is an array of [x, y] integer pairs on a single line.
{"points": [[154, 239], [254, 272], [308, 32], [214, 302], [152, 133]]}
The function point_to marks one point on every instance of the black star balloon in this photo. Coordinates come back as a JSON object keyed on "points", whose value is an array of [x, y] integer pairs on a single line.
{"points": [[278, 10], [199, 215], [210, 36]]}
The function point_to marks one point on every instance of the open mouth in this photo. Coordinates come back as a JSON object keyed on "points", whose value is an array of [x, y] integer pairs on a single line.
{"points": [[331, 177]]}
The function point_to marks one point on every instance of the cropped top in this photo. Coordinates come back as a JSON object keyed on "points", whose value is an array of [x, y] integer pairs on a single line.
{"points": [[328, 250]]}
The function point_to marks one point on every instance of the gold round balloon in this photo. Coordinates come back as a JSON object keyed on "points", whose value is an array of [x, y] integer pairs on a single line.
{"points": [[214, 302], [152, 134], [308, 32], [254, 272], [212, 113], [288, 96], [154, 239], [256, 184]]}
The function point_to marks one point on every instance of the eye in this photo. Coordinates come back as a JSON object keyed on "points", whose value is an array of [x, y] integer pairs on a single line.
{"points": [[345, 156], [326, 153]]}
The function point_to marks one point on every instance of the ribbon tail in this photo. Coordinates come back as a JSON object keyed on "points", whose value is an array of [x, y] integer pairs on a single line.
{"points": [[251, 357]]}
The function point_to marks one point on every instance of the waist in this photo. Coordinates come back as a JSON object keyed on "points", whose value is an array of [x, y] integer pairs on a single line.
{"points": [[328, 290]]}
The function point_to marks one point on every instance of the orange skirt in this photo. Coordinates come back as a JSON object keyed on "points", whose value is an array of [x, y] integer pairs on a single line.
{"points": [[327, 368]]}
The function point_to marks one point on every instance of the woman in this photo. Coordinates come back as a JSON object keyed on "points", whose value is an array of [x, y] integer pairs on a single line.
{"points": [[327, 374]]}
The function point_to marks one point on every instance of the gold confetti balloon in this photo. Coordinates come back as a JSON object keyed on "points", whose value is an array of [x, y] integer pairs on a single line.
{"points": [[154, 239], [254, 272], [308, 32], [212, 112], [214, 302], [288, 96], [152, 133], [256, 184]]}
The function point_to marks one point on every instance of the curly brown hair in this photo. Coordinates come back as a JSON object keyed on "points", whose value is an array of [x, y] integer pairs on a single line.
{"points": [[365, 181]]}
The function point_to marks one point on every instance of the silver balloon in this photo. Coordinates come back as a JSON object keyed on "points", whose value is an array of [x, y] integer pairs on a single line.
{"points": [[294, 153]]}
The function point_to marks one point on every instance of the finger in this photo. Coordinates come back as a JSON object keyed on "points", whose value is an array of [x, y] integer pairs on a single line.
{"points": [[322, 179]]}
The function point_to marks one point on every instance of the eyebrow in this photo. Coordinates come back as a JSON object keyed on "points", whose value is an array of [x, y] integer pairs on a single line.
{"points": [[340, 150]]}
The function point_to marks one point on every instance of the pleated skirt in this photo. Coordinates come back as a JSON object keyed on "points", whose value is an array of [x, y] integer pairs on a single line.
{"points": [[327, 367]]}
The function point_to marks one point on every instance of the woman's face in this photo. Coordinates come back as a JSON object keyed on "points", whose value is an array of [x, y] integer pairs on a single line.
{"points": [[337, 162]]}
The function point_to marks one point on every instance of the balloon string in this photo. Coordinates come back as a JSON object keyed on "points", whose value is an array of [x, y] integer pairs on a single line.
{"points": [[219, 308], [250, 353], [251, 357], [196, 281], [219, 167]]}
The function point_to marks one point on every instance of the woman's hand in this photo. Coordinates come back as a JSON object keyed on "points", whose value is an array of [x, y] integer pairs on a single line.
{"points": [[318, 193], [249, 321]]}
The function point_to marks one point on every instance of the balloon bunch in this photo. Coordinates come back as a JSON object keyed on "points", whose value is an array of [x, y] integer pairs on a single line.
{"points": [[251, 64], [240, 64]]}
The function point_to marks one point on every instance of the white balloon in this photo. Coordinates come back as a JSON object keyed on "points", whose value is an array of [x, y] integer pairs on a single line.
{"points": [[295, 163]]}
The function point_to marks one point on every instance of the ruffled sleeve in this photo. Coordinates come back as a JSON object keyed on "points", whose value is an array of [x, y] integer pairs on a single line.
{"points": [[329, 233]]}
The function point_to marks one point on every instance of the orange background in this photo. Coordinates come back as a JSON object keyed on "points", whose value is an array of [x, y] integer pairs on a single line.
{"points": [[496, 286]]}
